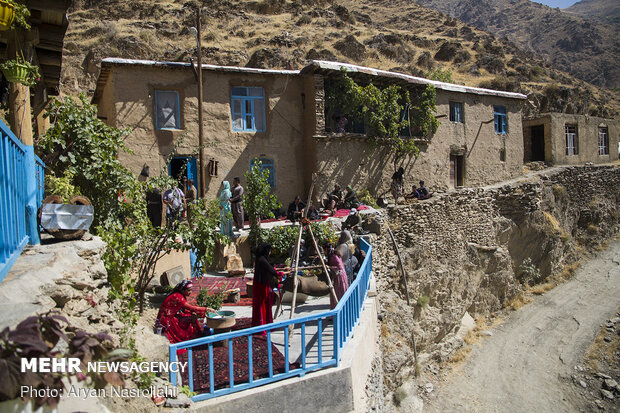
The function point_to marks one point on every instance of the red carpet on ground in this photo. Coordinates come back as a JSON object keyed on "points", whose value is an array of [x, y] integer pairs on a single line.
{"points": [[260, 364], [214, 284]]}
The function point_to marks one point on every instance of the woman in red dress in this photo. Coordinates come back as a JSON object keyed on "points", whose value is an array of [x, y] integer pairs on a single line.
{"points": [[265, 277], [178, 318]]}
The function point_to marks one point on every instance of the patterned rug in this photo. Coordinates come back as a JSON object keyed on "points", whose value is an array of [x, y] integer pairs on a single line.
{"points": [[214, 284], [260, 361]]}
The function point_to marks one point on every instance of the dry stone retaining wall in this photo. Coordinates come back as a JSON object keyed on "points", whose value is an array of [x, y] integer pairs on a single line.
{"points": [[463, 252]]}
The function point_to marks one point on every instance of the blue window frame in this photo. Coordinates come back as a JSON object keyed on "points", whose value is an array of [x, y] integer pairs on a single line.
{"points": [[247, 106], [456, 112], [267, 164], [167, 110], [501, 119]]}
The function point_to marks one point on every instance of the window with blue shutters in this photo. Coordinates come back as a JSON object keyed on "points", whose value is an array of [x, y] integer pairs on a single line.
{"points": [[267, 164], [247, 105], [501, 119], [456, 112]]}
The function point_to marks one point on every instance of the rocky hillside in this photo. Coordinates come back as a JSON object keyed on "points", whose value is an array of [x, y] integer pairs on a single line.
{"points": [[390, 34], [585, 47], [608, 10]]}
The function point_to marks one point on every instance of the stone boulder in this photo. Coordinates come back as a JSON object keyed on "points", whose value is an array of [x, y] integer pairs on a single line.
{"points": [[351, 48]]}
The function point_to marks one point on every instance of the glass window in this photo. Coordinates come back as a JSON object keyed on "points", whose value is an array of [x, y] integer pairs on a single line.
{"points": [[267, 164], [501, 119], [167, 112], [572, 147], [603, 141], [248, 109], [456, 112]]}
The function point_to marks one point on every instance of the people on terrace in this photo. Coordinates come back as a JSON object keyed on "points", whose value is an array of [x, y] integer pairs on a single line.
{"points": [[423, 191], [397, 184], [338, 274], [265, 279], [330, 203], [350, 199], [353, 221], [295, 209], [236, 203], [225, 211], [179, 319]]}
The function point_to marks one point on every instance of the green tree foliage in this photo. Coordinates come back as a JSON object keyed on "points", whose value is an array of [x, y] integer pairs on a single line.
{"points": [[386, 112], [258, 201], [83, 146], [439, 74]]}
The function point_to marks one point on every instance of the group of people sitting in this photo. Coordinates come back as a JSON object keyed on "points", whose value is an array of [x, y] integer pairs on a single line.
{"points": [[337, 199], [397, 188]]}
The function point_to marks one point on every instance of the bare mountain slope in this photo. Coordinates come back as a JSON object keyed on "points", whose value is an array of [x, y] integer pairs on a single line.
{"points": [[602, 9], [394, 35], [587, 48]]}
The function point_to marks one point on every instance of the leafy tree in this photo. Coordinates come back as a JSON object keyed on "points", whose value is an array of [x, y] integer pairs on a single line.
{"points": [[258, 201], [82, 146], [386, 112]]}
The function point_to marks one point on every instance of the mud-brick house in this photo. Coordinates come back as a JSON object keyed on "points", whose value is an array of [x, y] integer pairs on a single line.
{"points": [[565, 139], [282, 118]]}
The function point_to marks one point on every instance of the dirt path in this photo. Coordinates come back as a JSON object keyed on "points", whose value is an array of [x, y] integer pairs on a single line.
{"points": [[527, 364]]}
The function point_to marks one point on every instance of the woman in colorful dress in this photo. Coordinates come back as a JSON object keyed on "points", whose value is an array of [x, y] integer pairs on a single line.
{"points": [[339, 276], [225, 212], [179, 319], [265, 278], [398, 184]]}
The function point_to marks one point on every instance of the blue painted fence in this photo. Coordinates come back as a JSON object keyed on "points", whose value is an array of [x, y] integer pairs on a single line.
{"points": [[21, 172], [344, 318]]}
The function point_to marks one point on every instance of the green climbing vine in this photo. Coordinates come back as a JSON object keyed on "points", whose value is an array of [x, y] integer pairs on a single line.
{"points": [[386, 112]]}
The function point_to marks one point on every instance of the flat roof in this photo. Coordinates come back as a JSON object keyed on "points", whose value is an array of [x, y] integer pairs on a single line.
{"points": [[322, 65], [316, 66], [111, 61]]}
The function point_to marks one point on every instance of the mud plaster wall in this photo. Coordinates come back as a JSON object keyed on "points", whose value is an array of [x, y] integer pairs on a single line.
{"points": [[464, 251], [349, 159], [587, 136], [133, 94]]}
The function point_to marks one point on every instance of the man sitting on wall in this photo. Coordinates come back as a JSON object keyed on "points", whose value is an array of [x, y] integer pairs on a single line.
{"points": [[414, 194], [295, 209], [353, 221], [423, 191]]}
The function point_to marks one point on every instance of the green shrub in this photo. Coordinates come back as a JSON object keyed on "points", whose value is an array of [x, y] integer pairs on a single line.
{"points": [[281, 239], [61, 186], [423, 301], [367, 199], [213, 301]]}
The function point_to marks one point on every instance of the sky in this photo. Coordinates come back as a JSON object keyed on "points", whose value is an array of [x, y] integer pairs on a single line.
{"points": [[557, 3]]}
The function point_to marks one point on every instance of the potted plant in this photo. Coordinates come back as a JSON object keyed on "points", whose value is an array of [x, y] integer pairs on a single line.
{"points": [[13, 13], [18, 70]]}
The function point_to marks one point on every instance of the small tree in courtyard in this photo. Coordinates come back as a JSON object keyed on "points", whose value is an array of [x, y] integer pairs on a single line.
{"points": [[258, 201]]}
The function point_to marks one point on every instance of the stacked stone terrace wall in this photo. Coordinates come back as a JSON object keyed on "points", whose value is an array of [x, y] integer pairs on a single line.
{"points": [[463, 251]]}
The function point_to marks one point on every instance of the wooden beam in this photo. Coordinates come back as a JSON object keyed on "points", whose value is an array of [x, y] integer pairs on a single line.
{"points": [[49, 57], [57, 6]]}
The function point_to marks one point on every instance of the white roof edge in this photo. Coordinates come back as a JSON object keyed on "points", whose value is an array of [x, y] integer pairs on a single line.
{"points": [[418, 80], [136, 62]]}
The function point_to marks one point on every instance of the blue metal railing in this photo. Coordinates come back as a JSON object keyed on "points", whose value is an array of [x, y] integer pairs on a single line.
{"points": [[14, 197], [343, 318], [40, 177]]}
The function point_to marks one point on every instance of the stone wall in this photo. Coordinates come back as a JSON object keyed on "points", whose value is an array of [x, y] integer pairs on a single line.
{"points": [[463, 252]]}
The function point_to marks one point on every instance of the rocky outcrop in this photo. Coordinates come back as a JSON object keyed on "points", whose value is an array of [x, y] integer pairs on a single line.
{"points": [[464, 251]]}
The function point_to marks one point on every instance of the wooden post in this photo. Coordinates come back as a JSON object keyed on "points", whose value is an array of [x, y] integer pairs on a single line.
{"points": [[301, 229], [329, 280], [201, 149], [20, 112]]}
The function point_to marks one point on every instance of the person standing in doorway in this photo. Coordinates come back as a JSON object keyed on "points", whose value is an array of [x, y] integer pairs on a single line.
{"points": [[174, 199], [236, 203]]}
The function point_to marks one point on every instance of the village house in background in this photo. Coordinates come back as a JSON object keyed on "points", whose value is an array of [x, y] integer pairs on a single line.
{"points": [[280, 117], [564, 139]]}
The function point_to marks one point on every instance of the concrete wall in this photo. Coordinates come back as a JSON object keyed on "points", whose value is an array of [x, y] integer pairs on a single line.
{"points": [[349, 159], [587, 135], [128, 101]]}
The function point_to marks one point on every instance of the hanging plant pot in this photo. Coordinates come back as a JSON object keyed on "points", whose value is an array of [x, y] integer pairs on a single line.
{"points": [[7, 15], [17, 73]]}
